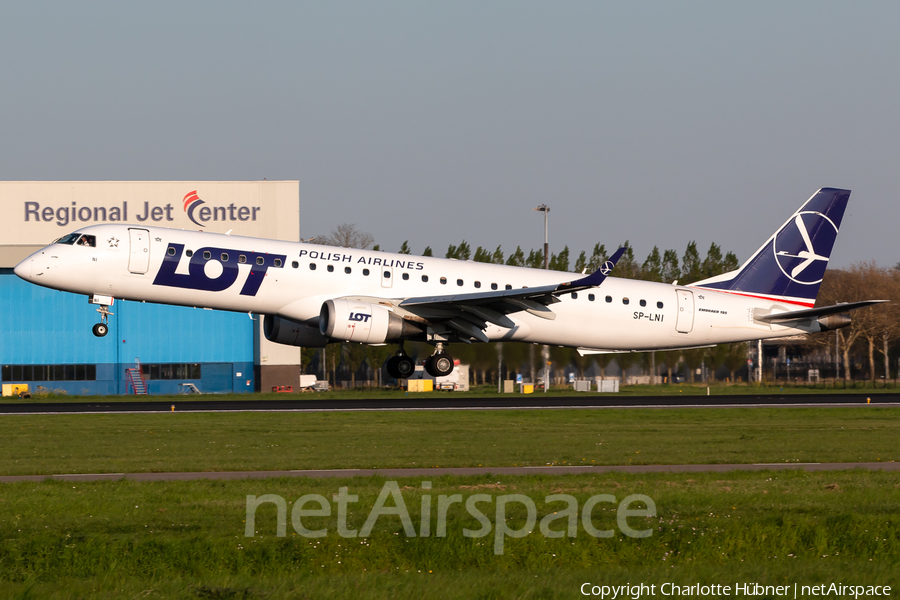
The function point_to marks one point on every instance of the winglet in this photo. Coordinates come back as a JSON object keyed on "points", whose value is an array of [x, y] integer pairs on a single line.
{"points": [[595, 278]]}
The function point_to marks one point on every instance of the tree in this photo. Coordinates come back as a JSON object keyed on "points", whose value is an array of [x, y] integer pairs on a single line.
{"points": [[461, 252], [346, 235], [535, 259], [354, 355], [653, 267], [497, 256], [482, 255], [627, 268], [598, 257], [560, 262], [404, 248], [846, 286], [581, 263], [517, 258], [712, 265], [692, 361], [670, 272], [376, 356], [690, 264], [735, 357], [427, 251], [626, 360]]}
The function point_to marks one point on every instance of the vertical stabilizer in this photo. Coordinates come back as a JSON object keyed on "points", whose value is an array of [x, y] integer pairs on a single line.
{"points": [[789, 267]]}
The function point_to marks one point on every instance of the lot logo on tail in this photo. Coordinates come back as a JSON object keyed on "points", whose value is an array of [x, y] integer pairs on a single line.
{"points": [[191, 202], [797, 257]]}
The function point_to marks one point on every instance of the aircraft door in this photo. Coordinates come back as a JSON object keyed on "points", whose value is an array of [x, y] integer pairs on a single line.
{"points": [[685, 321], [139, 256], [387, 277]]}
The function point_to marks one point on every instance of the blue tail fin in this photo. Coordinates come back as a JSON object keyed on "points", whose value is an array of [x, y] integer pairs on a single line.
{"points": [[789, 267]]}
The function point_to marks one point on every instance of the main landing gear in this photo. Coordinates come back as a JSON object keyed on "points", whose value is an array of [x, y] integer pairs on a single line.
{"points": [[440, 363], [400, 366]]}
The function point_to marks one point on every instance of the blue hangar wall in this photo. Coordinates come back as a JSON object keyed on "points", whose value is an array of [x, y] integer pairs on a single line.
{"points": [[48, 333]]}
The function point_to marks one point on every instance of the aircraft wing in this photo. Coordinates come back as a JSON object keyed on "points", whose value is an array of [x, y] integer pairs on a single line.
{"points": [[469, 314]]}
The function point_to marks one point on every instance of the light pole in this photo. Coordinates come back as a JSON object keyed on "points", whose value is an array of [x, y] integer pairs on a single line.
{"points": [[545, 352], [546, 210]]}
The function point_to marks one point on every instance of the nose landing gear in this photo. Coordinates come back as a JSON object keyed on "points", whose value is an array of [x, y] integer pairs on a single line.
{"points": [[101, 328]]}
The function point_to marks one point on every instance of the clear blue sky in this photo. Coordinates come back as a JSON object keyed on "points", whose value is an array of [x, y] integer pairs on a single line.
{"points": [[656, 122]]}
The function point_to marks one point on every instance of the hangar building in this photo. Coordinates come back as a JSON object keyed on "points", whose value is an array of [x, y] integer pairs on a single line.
{"points": [[45, 335]]}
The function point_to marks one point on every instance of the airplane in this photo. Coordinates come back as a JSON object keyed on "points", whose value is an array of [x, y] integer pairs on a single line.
{"points": [[311, 295]]}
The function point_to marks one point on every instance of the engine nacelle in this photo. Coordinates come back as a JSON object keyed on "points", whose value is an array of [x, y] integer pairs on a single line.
{"points": [[363, 322], [291, 333]]}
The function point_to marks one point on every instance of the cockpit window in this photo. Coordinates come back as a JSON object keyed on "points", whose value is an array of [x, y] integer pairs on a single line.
{"points": [[88, 240], [68, 239]]}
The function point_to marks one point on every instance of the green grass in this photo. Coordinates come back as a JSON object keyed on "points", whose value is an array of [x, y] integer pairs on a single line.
{"points": [[112, 443], [490, 391], [186, 539]]}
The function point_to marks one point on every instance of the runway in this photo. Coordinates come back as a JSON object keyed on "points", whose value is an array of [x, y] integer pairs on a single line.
{"points": [[500, 402], [434, 472]]}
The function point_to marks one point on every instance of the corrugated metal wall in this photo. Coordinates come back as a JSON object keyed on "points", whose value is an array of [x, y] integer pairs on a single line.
{"points": [[42, 326]]}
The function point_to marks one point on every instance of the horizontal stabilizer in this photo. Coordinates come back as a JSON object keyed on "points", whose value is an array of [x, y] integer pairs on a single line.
{"points": [[822, 311]]}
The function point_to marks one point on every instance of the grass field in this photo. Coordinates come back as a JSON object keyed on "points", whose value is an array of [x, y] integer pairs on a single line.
{"points": [[123, 539], [187, 539], [112, 443]]}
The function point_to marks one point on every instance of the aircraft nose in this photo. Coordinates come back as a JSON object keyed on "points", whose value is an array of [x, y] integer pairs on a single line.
{"points": [[24, 268]]}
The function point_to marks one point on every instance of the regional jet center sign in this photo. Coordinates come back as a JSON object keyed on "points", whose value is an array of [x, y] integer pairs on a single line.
{"points": [[37, 212]]}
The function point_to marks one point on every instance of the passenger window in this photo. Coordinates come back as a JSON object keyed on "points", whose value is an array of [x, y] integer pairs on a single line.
{"points": [[477, 284], [260, 260], [590, 297], [406, 277], [347, 270], [574, 295], [366, 272], [659, 305], [207, 254], [387, 274], [443, 281], [331, 268], [277, 262], [459, 282], [312, 266], [170, 251], [643, 303], [242, 259], [295, 264], [224, 257], [189, 253], [493, 286], [625, 301], [509, 287], [609, 298], [424, 278]]}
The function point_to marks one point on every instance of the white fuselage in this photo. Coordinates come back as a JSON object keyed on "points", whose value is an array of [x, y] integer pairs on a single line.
{"points": [[294, 279]]}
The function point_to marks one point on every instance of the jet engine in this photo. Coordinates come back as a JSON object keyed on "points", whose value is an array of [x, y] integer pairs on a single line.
{"points": [[291, 333], [363, 322]]}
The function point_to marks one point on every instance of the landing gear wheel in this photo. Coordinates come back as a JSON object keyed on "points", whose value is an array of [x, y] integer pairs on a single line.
{"points": [[439, 365], [400, 367], [100, 329]]}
